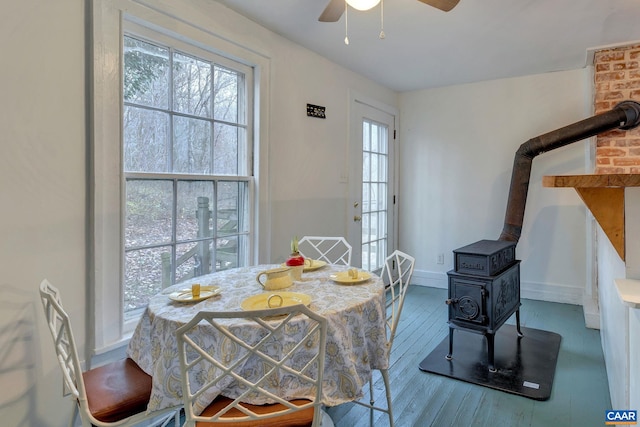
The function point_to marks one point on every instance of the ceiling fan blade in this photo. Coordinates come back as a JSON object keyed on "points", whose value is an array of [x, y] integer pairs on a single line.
{"points": [[444, 5], [333, 11]]}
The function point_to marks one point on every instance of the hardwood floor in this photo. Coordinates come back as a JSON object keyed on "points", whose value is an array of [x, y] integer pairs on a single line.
{"points": [[579, 397]]}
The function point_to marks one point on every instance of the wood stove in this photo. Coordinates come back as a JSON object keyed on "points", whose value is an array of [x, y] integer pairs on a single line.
{"points": [[484, 286], [484, 291]]}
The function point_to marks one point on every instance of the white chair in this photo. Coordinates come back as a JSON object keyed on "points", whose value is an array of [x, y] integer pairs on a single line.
{"points": [[253, 355], [112, 395], [396, 274], [333, 250]]}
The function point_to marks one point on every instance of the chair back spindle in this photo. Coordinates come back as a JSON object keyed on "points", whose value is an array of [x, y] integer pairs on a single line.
{"points": [[333, 250], [279, 371]]}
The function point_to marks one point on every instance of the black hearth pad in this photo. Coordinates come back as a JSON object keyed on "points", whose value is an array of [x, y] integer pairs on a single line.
{"points": [[525, 366]]}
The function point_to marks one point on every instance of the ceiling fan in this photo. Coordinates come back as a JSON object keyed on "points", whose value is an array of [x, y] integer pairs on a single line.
{"points": [[335, 8]]}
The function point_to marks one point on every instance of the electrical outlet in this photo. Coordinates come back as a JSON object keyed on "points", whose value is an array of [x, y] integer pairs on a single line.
{"points": [[440, 259]]}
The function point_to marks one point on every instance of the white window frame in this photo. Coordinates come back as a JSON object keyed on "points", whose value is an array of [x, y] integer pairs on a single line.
{"points": [[110, 19]]}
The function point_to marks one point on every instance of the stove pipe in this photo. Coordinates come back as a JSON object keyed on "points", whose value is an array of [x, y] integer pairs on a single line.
{"points": [[625, 115]]}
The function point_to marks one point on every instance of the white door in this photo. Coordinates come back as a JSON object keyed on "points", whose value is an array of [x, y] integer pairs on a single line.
{"points": [[371, 209]]}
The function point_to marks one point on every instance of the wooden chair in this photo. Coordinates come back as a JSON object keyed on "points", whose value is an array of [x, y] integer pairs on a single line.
{"points": [[112, 395], [396, 274], [333, 250], [213, 355]]}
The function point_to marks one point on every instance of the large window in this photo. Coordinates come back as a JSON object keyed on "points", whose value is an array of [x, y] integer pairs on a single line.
{"points": [[186, 165], [177, 144]]}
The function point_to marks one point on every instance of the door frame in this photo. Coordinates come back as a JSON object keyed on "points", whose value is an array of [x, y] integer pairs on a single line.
{"points": [[353, 153]]}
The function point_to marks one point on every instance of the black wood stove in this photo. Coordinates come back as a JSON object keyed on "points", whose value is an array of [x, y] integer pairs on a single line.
{"points": [[484, 291], [484, 285]]}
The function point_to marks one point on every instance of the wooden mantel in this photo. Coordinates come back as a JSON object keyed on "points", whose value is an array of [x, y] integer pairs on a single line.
{"points": [[604, 196]]}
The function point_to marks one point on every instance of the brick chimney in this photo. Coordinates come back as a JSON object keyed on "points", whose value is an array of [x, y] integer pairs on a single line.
{"points": [[617, 77]]}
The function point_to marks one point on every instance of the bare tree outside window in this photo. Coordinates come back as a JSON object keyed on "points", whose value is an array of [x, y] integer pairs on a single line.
{"points": [[185, 165]]}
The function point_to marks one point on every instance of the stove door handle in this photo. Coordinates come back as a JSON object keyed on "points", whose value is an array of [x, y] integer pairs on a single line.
{"points": [[450, 301]]}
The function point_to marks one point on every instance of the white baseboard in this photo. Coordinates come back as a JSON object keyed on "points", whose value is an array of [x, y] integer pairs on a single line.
{"points": [[591, 313], [431, 279], [551, 292]]}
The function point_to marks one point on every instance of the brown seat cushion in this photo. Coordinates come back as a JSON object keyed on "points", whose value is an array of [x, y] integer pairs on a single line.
{"points": [[302, 418], [117, 390]]}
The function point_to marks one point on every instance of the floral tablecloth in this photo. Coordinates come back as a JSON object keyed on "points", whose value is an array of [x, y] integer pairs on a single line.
{"points": [[356, 338]]}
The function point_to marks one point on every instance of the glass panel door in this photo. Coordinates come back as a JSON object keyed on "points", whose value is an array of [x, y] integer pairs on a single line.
{"points": [[371, 210], [375, 165]]}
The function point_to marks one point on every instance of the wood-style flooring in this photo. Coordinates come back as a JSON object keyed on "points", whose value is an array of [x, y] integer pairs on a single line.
{"points": [[579, 397]]}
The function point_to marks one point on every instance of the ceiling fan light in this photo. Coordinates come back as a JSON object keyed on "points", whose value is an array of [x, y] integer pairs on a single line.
{"points": [[363, 4]]}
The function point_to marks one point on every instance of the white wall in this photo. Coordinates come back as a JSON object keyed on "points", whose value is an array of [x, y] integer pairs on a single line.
{"points": [[43, 173], [308, 155], [458, 145], [42, 193]]}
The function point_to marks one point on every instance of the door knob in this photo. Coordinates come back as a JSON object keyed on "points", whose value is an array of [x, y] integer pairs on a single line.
{"points": [[357, 218]]}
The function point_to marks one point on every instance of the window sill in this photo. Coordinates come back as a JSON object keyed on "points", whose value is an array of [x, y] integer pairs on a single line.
{"points": [[113, 351], [629, 291]]}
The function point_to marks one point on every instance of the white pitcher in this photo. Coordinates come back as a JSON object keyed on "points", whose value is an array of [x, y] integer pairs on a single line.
{"points": [[276, 278]]}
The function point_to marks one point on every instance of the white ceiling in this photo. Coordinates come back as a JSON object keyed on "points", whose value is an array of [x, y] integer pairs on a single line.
{"points": [[478, 40]]}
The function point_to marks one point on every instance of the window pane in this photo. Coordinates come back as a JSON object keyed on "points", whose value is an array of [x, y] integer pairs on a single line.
{"points": [[145, 140], [382, 197], [185, 262], [382, 168], [366, 195], [143, 276], [194, 206], [226, 253], [228, 159], [146, 77], [366, 251], [374, 167], [384, 145], [366, 224], [193, 260], [366, 166], [373, 255], [232, 203], [382, 225], [227, 84], [374, 205], [148, 212], [375, 137], [192, 146], [378, 254], [229, 252], [191, 85], [366, 136]]}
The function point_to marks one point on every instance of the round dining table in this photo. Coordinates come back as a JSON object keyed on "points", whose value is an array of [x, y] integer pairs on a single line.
{"points": [[354, 309]]}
